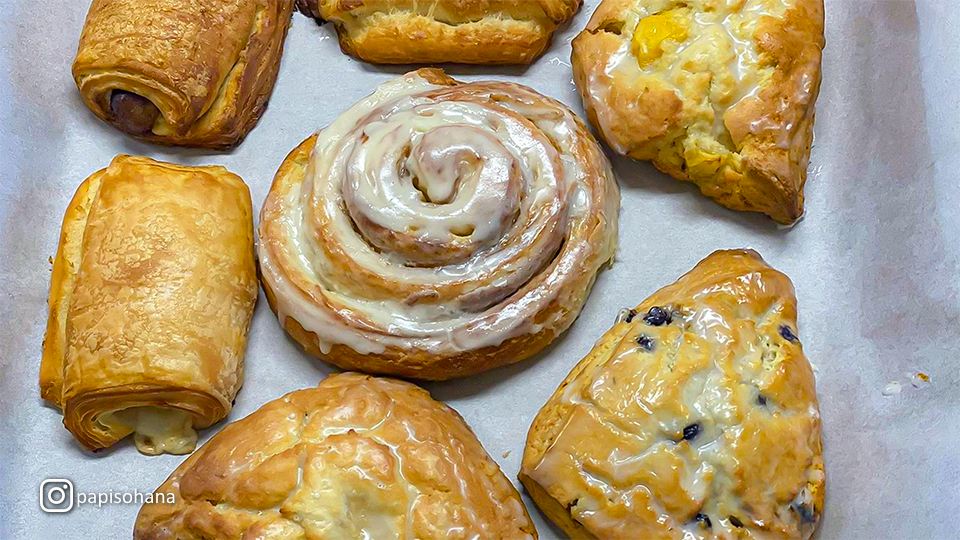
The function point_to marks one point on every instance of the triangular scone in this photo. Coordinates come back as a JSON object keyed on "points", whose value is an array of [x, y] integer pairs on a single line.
{"points": [[695, 416], [720, 94]]}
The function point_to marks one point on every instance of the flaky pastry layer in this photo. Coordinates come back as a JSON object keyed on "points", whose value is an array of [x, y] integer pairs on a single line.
{"points": [[207, 66], [356, 457], [716, 92], [694, 417], [151, 297]]}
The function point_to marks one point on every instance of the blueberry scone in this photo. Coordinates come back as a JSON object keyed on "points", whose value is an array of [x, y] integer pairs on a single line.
{"points": [[720, 93], [357, 457], [694, 417]]}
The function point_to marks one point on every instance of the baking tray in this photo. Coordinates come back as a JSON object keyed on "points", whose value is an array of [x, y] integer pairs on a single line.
{"points": [[875, 262]]}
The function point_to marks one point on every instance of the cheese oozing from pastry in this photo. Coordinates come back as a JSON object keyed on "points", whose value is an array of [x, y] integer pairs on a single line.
{"points": [[156, 430]]}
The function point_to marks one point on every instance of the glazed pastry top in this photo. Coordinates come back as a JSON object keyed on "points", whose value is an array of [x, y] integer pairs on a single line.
{"points": [[151, 297], [439, 216], [695, 417], [357, 457], [718, 92]]}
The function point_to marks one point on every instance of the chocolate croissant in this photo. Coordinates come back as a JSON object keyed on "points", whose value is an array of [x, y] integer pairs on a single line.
{"points": [[438, 229], [152, 292], [181, 72]]}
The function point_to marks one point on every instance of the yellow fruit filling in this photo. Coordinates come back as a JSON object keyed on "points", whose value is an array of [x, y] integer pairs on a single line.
{"points": [[652, 31]]}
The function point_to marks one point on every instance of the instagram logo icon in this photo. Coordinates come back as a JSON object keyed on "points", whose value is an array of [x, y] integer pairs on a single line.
{"points": [[56, 496]]}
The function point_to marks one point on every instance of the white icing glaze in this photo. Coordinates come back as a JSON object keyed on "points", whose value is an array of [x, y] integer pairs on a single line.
{"points": [[456, 210], [720, 41]]}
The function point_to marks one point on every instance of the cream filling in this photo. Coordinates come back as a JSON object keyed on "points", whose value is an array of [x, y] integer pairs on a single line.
{"points": [[156, 430]]}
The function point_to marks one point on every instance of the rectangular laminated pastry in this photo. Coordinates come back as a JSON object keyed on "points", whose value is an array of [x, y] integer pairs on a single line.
{"points": [[181, 72], [152, 291], [716, 92], [433, 31], [694, 417]]}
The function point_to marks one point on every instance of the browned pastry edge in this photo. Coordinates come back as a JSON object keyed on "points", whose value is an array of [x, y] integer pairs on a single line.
{"points": [[417, 364]]}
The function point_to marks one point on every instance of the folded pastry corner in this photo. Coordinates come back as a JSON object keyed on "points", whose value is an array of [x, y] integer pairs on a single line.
{"points": [[206, 88], [356, 457], [695, 416], [151, 296], [433, 31], [721, 94]]}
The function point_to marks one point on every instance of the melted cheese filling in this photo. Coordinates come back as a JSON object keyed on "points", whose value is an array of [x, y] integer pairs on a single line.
{"points": [[156, 430]]}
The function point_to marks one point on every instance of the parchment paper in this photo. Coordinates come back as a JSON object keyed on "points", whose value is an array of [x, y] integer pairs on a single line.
{"points": [[874, 261]]}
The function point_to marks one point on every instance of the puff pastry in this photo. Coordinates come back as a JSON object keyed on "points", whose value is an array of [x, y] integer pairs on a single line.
{"points": [[694, 417], [356, 457], [433, 31], [716, 92], [152, 292], [181, 72], [438, 229]]}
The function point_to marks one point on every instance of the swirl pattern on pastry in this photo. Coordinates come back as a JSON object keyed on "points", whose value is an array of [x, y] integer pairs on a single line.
{"points": [[356, 457], [438, 229], [694, 417]]}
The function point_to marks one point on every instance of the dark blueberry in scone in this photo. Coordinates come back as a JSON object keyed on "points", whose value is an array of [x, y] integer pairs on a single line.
{"points": [[627, 315], [690, 432], [787, 334], [657, 316], [721, 396], [645, 342]]}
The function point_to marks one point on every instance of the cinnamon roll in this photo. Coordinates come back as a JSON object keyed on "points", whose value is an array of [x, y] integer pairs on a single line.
{"points": [[151, 297], [438, 229], [181, 72]]}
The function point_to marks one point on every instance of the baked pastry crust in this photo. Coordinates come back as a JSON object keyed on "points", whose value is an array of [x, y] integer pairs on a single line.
{"points": [[434, 31], [726, 100], [210, 85], [152, 292], [356, 457], [356, 286], [695, 416]]}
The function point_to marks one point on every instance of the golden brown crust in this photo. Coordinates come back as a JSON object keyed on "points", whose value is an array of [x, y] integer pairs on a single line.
{"points": [[462, 31], [211, 85], [356, 457], [742, 135], [695, 412], [310, 305], [152, 292]]}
